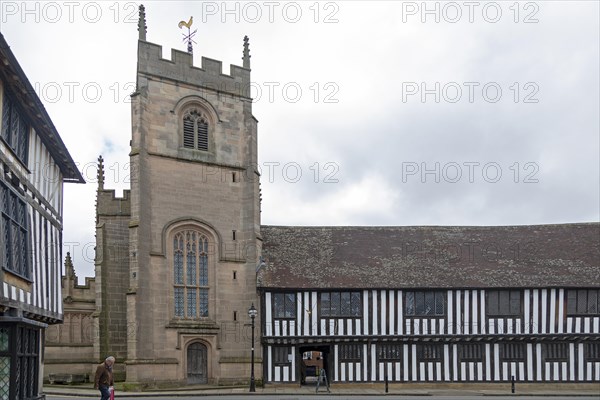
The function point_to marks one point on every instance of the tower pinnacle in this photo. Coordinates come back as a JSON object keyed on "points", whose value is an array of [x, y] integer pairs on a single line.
{"points": [[69, 270], [142, 23], [100, 173], [246, 57]]}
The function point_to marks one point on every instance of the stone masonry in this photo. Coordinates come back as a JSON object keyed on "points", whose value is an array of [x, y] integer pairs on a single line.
{"points": [[175, 188], [112, 266], [179, 189], [69, 349]]}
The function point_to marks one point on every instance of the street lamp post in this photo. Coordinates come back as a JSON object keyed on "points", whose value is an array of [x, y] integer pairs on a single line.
{"points": [[252, 312]]}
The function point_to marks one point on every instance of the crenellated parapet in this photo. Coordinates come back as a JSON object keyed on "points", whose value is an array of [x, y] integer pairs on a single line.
{"points": [[109, 204], [180, 69]]}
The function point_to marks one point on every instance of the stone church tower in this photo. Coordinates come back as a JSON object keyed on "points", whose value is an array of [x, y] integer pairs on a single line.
{"points": [[177, 255]]}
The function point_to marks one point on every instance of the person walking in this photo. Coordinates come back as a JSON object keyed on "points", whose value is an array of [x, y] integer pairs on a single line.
{"points": [[103, 380]]}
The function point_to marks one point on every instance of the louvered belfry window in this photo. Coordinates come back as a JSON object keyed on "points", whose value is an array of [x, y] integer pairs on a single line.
{"points": [[195, 131]]}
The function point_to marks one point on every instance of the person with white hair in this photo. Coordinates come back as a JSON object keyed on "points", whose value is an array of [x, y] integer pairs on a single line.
{"points": [[104, 378]]}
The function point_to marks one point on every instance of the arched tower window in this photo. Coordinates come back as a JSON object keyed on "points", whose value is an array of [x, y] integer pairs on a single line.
{"points": [[190, 268], [195, 130]]}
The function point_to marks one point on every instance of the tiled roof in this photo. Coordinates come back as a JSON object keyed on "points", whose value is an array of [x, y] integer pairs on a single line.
{"points": [[566, 255]]}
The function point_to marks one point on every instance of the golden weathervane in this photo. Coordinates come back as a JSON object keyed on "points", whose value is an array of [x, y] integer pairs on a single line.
{"points": [[188, 38]]}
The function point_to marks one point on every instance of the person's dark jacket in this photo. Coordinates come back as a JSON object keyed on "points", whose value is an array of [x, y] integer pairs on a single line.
{"points": [[104, 376]]}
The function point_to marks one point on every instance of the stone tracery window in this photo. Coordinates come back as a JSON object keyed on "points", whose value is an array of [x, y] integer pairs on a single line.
{"points": [[195, 130], [190, 274]]}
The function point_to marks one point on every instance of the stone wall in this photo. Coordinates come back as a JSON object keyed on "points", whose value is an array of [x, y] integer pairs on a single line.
{"points": [[69, 347], [112, 278]]}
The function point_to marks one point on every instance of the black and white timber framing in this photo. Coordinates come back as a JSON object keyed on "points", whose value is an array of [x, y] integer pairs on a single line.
{"points": [[489, 333]]}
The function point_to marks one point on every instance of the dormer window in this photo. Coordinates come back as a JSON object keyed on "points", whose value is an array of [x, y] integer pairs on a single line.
{"points": [[195, 131]]}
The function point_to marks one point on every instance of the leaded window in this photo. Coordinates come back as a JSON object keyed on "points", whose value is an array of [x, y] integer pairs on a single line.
{"points": [[429, 352], [556, 351], [341, 304], [425, 303], [583, 302], [350, 352], [592, 352], [13, 227], [195, 131], [284, 305], [503, 303], [470, 352], [190, 274], [512, 352], [389, 351], [19, 360], [281, 355], [15, 131], [4, 364], [4, 377]]}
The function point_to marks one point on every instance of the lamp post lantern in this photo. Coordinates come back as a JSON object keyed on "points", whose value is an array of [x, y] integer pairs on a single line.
{"points": [[252, 312]]}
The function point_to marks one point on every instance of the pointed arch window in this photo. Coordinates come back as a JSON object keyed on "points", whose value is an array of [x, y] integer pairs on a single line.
{"points": [[195, 130], [190, 274]]}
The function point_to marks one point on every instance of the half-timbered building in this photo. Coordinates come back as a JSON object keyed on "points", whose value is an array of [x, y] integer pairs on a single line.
{"points": [[433, 304], [35, 164]]}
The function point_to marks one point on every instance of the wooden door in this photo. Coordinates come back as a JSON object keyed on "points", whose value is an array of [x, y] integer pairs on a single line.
{"points": [[197, 364]]}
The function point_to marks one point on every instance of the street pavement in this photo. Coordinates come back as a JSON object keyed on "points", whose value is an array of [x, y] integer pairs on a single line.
{"points": [[563, 391]]}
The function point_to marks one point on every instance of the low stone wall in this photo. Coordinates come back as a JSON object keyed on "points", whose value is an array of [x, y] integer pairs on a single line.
{"points": [[67, 378]]}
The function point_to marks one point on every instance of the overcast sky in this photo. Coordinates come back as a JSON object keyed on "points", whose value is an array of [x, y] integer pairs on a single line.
{"points": [[370, 113]]}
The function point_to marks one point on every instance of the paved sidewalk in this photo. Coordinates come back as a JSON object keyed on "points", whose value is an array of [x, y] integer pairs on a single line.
{"points": [[556, 390]]}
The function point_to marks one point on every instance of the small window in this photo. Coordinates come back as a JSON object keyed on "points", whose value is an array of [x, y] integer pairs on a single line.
{"points": [[350, 352], [429, 352], [513, 352], [592, 352], [341, 304], [195, 131], [425, 303], [583, 302], [281, 355], [470, 352], [503, 303], [389, 351], [284, 305], [15, 131], [556, 352]]}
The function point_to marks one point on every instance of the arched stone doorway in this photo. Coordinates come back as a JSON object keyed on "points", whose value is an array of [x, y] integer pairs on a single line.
{"points": [[197, 363]]}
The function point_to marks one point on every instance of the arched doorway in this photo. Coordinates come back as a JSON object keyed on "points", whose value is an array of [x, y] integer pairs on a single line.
{"points": [[197, 363]]}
